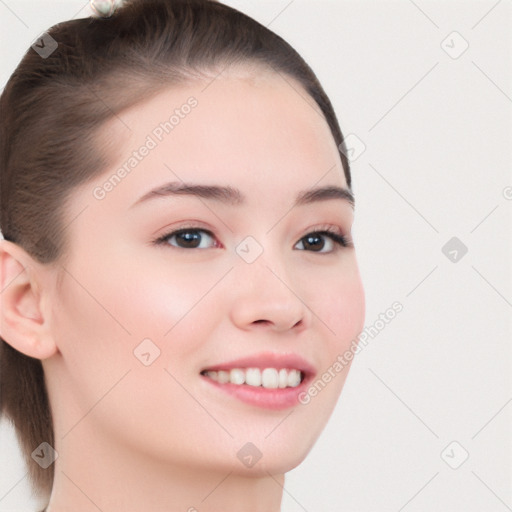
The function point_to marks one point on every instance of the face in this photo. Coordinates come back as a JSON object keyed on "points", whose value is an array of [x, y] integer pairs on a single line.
{"points": [[170, 299]]}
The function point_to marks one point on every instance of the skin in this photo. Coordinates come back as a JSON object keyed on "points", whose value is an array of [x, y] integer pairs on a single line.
{"points": [[131, 437]]}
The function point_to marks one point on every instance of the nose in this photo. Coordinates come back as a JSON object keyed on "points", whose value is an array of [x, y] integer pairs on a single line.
{"points": [[265, 297]]}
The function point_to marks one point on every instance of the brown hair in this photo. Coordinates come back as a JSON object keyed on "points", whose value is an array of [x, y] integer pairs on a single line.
{"points": [[51, 111]]}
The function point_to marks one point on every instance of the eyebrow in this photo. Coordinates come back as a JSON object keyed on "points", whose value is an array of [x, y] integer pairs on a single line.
{"points": [[233, 196]]}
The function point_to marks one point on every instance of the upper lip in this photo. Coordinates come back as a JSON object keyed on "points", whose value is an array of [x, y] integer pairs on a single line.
{"points": [[267, 360]]}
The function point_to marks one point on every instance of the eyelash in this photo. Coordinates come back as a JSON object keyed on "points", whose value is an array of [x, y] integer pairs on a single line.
{"points": [[342, 241]]}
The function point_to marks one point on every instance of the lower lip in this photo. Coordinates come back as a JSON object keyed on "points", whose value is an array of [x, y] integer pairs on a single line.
{"points": [[276, 399]]}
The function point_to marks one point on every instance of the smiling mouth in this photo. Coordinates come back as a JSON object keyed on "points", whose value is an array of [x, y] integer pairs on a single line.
{"points": [[268, 378]]}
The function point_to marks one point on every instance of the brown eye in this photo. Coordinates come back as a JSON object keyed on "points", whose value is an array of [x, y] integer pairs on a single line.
{"points": [[318, 240], [188, 239], [313, 242]]}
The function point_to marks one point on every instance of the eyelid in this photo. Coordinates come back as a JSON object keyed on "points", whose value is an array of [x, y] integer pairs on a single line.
{"points": [[332, 231], [326, 227], [187, 225]]}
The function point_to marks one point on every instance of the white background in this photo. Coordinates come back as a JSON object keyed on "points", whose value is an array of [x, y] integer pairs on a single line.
{"points": [[437, 136]]}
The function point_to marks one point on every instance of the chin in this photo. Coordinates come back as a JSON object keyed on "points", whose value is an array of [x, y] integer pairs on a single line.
{"points": [[274, 464], [279, 453]]}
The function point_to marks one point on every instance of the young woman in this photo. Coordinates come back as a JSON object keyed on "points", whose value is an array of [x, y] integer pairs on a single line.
{"points": [[178, 274]]}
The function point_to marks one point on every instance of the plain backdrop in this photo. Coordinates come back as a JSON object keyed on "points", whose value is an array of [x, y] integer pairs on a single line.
{"points": [[425, 90]]}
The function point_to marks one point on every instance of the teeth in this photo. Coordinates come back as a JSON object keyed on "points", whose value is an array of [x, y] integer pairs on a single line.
{"points": [[283, 378], [237, 376], [293, 378], [253, 376], [269, 378], [222, 377]]}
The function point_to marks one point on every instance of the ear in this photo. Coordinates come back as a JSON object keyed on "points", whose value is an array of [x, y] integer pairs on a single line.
{"points": [[24, 322]]}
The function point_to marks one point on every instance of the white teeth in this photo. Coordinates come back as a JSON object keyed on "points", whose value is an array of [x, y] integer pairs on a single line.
{"points": [[270, 378], [223, 377], [212, 375], [283, 378], [253, 376], [237, 376], [293, 378]]}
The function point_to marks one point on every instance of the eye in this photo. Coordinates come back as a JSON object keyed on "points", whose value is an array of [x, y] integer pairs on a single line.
{"points": [[325, 240], [328, 239], [188, 238]]}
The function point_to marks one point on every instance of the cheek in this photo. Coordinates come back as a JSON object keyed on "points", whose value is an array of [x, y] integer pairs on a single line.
{"points": [[114, 296], [117, 306], [167, 300], [124, 290], [103, 316], [340, 307]]}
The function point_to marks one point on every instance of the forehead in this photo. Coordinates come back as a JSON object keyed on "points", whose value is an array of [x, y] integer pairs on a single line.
{"points": [[259, 132]]}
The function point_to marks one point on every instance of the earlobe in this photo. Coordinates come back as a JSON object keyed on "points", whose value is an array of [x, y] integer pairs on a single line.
{"points": [[23, 323]]}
